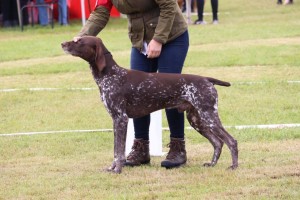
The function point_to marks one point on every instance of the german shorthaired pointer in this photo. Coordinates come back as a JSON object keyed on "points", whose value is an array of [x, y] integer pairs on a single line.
{"points": [[131, 94]]}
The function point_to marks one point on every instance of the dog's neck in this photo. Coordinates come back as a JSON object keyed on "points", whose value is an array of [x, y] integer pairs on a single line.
{"points": [[110, 68], [109, 59]]}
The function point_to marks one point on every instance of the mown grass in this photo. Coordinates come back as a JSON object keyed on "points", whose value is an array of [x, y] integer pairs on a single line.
{"points": [[70, 166], [255, 47]]}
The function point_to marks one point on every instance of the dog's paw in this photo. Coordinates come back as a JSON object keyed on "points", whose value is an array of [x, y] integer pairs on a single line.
{"points": [[232, 167], [209, 164], [115, 168], [114, 171]]}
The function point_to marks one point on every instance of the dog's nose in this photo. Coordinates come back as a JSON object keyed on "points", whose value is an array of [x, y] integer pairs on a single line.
{"points": [[63, 44]]}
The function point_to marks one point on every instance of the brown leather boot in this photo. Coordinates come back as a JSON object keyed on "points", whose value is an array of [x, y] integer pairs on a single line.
{"points": [[139, 154], [177, 154]]}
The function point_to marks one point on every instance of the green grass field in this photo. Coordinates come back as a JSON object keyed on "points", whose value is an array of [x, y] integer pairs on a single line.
{"points": [[256, 47]]}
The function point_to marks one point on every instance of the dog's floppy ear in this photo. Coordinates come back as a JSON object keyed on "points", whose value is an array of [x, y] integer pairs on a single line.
{"points": [[99, 57]]}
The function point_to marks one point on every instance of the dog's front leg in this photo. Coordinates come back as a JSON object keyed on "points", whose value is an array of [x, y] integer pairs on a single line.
{"points": [[120, 132]]}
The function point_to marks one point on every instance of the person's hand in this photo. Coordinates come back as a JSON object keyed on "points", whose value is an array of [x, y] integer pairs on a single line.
{"points": [[154, 49], [76, 39]]}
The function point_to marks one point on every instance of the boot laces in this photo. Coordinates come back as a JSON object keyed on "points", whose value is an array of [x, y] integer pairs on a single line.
{"points": [[136, 150], [175, 149]]}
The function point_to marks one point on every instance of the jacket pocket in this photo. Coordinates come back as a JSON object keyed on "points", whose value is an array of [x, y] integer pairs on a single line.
{"points": [[150, 29]]}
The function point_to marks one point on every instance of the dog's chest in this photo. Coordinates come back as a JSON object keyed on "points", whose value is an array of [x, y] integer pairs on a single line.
{"points": [[110, 87]]}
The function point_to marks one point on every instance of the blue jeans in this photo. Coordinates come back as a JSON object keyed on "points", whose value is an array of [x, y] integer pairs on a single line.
{"points": [[62, 12], [171, 60], [43, 13]]}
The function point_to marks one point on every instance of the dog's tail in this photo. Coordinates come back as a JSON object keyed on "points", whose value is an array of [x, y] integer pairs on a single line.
{"points": [[218, 82]]}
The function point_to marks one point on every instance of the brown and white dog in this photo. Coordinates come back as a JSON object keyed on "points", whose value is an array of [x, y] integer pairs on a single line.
{"points": [[131, 94]]}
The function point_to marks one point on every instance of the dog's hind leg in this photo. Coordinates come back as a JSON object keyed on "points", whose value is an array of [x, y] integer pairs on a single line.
{"points": [[217, 143], [220, 131], [210, 121]]}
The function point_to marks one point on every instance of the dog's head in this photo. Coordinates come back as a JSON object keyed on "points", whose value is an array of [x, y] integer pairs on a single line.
{"points": [[88, 48]]}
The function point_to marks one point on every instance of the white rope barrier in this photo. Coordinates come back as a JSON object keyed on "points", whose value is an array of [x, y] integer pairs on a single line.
{"points": [[94, 88], [269, 126]]}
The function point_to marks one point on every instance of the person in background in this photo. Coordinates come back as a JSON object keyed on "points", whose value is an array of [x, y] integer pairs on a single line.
{"points": [[184, 6], [43, 13], [286, 2], [200, 8], [1, 13], [9, 12], [62, 12], [25, 15], [160, 41]]}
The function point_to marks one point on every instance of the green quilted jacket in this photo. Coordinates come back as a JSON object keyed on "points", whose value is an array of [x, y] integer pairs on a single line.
{"points": [[161, 20]]}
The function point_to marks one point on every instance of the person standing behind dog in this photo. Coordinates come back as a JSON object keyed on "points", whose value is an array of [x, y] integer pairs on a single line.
{"points": [[160, 41], [200, 8]]}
